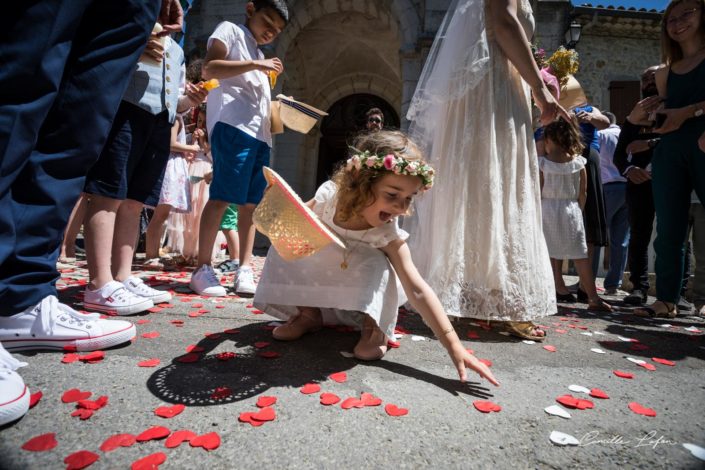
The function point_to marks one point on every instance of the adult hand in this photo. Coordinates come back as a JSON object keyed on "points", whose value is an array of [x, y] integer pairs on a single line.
{"points": [[462, 358], [674, 119], [639, 115], [638, 175], [268, 65], [638, 146], [550, 109], [198, 134], [154, 49], [171, 17], [195, 94], [701, 142]]}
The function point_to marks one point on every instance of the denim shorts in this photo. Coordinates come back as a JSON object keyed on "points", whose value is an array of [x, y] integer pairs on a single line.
{"points": [[238, 159], [132, 163]]}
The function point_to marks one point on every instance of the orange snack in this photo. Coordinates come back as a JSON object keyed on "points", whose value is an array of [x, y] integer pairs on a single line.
{"points": [[272, 78], [211, 84]]}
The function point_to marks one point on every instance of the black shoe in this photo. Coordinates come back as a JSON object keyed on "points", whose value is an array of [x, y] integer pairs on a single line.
{"points": [[566, 298], [637, 297], [582, 295]]}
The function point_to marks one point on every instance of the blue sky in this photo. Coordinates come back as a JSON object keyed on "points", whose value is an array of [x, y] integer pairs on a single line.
{"points": [[648, 4]]}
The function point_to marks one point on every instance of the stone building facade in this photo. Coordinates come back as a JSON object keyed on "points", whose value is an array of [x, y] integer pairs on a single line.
{"points": [[345, 56]]}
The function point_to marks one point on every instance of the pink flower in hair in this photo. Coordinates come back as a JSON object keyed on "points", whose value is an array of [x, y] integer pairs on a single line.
{"points": [[370, 162], [389, 162]]}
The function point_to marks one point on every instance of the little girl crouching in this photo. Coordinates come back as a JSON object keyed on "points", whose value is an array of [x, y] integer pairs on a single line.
{"points": [[364, 284]]}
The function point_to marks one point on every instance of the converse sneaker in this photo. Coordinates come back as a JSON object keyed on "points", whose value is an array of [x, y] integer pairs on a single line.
{"points": [[245, 281], [138, 287], [14, 395], [53, 325], [205, 282], [114, 297]]}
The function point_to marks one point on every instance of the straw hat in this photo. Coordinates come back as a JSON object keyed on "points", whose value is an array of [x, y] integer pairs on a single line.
{"points": [[572, 94], [277, 126], [298, 116], [293, 228]]}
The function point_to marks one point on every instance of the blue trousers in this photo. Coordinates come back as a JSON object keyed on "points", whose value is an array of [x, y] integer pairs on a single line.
{"points": [[617, 215], [64, 66]]}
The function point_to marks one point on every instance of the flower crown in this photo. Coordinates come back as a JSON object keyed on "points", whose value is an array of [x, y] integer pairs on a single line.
{"points": [[397, 165]]}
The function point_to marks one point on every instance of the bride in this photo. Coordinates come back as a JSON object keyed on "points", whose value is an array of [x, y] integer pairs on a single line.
{"points": [[481, 246]]}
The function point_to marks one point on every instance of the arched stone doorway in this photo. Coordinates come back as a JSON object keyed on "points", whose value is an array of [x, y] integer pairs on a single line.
{"points": [[346, 117]]}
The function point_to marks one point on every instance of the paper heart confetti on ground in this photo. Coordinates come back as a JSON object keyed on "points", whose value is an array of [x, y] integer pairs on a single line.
{"points": [[35, 398], [150, 462], [150, 335], [189, 358], [328, 399], [265, 401], [169, 411], [665, 362], [41, 443], [622, 374], [528, 341], [586, 333], [74, 395], [556, 410], [143, 321], [578, 389], [80, 459], [635, 361], [486, 406], [641, 409], [247, 418], [210, 441], [226, 356], [149, 363], [390, 344], [473, 335], [339, 377], [178, 437], [486, 362], [647, 366], [153, 433], [310, 388], [221, 393], [692, 329], [597, 350], [563, 439], [394, 410], [82, 414], [549, 348], [597, 393], [269, 354], [69, 358], [92, 404], [192, 348], [572, 402], [352, 402], [370, 400], [118, 440], [697, 451], [261, 344], [265, 414]]}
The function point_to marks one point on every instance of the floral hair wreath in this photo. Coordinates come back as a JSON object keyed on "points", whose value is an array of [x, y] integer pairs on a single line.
{"points": [[397, 165]]}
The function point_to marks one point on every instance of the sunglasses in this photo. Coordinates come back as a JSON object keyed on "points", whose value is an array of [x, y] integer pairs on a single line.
{"points": [[375, 120], [685, 16]]}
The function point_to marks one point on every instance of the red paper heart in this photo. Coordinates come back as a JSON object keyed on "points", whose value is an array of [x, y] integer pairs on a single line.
{"points": [[328, 399], [641, 410], [486, 362], [74, 395], [561, 331], [192, 348], [550, 348], [149, 363], [247, 418], [265, 414], [143, 321], [394, 410], [80, 459], [117, 440], [178, 437], [393, 344], [69, 358], [153, 433], [213, 335], [151, 462], [231, 331], [638, 347], [226, 356], [473, 335], [92, 357], [169, 411], [571, 402], [34, 399], [269, 354], [177, 322], [208, 441], [41, 443], [154, 309], [622, 374], [647, 366], [83, 414], [597, 393], [310, 388], [92, 404], [352, 402], [486, 406], [198, 305], [257, 312], [261, 344], [665, 362], [150, 335], [339, 377], [370, 400], [188, 358], [221, 393], [265, 401]]}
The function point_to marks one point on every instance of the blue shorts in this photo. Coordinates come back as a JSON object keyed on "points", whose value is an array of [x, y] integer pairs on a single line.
{"points": [[238, 159]]}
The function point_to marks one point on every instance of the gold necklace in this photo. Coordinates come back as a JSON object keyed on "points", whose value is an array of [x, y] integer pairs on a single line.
{"points": [[348, 253]]}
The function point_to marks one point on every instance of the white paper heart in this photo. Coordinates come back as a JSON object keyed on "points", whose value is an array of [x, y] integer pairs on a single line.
{"points": [[635, 361], [666, 325], [528, 341], [418, 338], [597, 350], [602, 333], [346, 354], [556, 410], [275, 323], [397, 336], [697, 451], [626, 340], [563, 439], [692, 329], [586, 333], [578, 389]]}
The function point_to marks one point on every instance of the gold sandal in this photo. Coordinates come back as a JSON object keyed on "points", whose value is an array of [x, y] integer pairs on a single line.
{"points": [[521, 329], [652, 312]]}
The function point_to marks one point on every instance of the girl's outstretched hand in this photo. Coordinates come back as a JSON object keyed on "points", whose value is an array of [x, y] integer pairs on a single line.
{"points": [[462, 359]]}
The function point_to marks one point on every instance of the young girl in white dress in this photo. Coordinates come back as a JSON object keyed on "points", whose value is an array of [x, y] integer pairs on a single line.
{"points": [[563, 194], [358, 285]]}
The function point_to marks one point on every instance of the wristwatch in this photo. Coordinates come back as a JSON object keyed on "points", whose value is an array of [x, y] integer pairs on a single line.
{"points": [[698, 111]]}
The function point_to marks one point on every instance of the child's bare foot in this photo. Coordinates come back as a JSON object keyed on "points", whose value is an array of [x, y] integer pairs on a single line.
{"points": [[373, 342], [306, 321]]}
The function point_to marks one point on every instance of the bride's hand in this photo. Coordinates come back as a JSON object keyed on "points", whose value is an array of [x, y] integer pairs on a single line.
{"points": [[550, 109]]}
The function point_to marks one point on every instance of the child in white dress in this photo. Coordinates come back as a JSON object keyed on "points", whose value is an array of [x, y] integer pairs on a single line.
{"points": [[358, 285], [563, 195]]}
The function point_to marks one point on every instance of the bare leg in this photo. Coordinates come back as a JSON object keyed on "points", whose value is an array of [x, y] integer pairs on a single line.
{"points": [[99, 229], [155, 230], [246, 232], [210, 222], [308, 319], [78, 214], [373, 342], [233, 243], [584, 268], [557, 267], [127, 227]]}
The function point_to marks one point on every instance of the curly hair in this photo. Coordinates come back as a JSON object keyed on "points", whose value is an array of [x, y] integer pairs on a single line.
{"points": [[565, 134], [355, 187]]}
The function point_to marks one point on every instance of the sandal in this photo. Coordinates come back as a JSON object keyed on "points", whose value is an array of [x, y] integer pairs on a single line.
{"points": [[600, 307], [652, 312], [521, 329]]}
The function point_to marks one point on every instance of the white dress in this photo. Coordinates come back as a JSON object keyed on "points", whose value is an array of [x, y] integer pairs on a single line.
{"points": [[562, 217], [176, 187], [368, 285], [477, 238]]}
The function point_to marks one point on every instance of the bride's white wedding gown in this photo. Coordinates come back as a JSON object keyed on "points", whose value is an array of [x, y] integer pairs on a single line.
{"points": [[477, 236]]}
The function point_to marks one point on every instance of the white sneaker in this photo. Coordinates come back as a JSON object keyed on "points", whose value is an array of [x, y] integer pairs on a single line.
{"points": [[114, 297], [205, 282], [53, 325], [138, 287], [14, 395], [245, 281]]}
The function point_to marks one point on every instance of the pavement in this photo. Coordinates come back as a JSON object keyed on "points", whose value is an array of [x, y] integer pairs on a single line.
{"points": [[240, 363]]}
